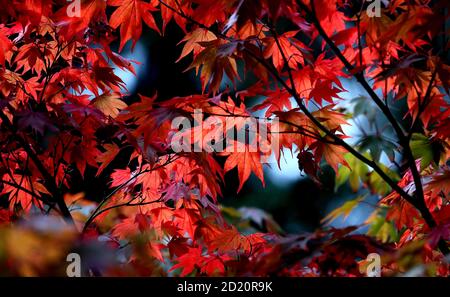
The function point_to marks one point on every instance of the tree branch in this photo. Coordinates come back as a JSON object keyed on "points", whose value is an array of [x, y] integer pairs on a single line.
{"points": [[98, 209], [48, 178], [417, 203], [419, 200], [423, 103]]}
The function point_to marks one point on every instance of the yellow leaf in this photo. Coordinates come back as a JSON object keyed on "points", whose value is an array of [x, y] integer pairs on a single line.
{"points": [[109, 103], [343, 210]]}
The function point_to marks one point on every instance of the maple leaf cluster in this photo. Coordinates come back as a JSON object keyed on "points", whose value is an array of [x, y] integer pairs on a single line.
{"points": [[65, 112]]}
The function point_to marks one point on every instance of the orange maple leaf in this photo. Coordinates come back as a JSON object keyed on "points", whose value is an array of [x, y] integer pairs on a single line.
{"points": [[107, 157], [246, 163]]}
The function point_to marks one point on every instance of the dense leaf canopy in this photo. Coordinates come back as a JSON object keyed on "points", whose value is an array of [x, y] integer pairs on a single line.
{"points": [[65, 111]]}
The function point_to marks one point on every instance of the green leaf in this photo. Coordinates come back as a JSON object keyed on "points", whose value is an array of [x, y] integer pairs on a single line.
{"points": [[376, 144], [379, 185], [355, 173], [383, 230], [423, 149], [363, 106]]}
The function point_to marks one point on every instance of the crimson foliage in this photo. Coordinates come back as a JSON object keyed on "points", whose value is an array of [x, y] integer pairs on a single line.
{"points": [[59, 95]]}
